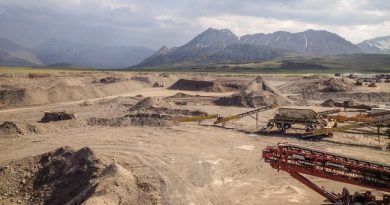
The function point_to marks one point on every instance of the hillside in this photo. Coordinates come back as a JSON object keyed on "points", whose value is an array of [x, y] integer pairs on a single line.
{"points": [[223, 46], [380, 45], [90, 55], [296, 64], [310, 42], [211, 46], [12, 54]]}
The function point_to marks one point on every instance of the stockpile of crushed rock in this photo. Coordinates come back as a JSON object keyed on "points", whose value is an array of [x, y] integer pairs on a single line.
{"points": [[10, 129], [68, 176], [256, 94], [150, 111]]}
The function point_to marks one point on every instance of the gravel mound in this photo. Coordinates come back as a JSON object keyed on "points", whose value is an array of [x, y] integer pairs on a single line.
{"points": [[149, 102], [328, 103], [9, 128], [181, 95], [68, 176], [107, 80], [142, 79], [256, 94], [57, 177], [147, 112]]}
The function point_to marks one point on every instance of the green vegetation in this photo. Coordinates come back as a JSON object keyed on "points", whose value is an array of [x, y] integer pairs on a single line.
{"points": [[27, 70], [365, 63]]}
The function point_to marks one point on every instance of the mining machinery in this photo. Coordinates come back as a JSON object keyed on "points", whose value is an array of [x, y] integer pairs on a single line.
{"points": [[329, 131], [286, 117], [196, 118], [223, 120], [297, 160]]}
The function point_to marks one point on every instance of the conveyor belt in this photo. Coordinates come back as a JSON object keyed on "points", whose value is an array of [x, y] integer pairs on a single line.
{"points": [[241, 115], [326, 131], [296, 159]]}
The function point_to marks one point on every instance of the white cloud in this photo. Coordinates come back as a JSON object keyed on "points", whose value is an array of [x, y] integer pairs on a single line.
{"points": [[173, 22], [242, 25]]}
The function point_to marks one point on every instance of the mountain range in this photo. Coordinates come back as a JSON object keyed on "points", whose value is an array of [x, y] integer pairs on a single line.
{"points": [[379, 45], [12, 54], [59, 52], [223, 46], [212, 46]]}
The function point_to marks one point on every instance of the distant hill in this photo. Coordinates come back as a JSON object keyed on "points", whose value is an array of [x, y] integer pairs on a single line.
{"points": [[380, 45], [310, 42], [12, 54], [211, 46], [223, 46], [90, 55]]}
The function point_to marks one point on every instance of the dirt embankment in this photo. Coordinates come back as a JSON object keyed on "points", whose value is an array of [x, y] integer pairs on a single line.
{"points": [[324, 87], [205, 85], [256, 94], [22, 90], [10, 96], [13, 129], [67, 176], [316, 84]]}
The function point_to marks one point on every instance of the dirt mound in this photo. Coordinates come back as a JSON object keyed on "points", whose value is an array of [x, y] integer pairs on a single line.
{"points": [[107, 80], [337, 85], [256, 94], [203, 85], [142, 79], [67, 176], [121, 186], [9, 128], [149, 102], [12, 96], [57, 177], [147, 112], [315, 84], [181, 95], [328, 103], [153, 117]]}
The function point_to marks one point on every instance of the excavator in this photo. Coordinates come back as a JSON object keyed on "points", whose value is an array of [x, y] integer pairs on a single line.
{"points": [[299, 161]]}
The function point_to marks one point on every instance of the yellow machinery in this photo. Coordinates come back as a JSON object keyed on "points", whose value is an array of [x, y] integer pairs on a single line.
{"points": [[196, 118], [329, 131], [326, 112], [223, 120], [361, 117]]}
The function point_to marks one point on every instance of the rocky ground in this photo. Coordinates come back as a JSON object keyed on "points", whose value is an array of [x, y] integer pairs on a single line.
{"points": [[124, 147]]}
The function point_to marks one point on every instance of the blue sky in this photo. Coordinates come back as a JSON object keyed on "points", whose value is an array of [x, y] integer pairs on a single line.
{"points": [[154, 23]]}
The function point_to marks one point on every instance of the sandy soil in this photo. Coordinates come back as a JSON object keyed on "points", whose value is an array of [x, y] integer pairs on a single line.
{"points": [[196, 163]]}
